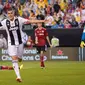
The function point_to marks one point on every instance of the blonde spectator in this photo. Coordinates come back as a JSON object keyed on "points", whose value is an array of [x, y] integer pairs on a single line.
{"points": [[41, 3], [20, 10], [63, 5], [77, 14], [55, 16]]}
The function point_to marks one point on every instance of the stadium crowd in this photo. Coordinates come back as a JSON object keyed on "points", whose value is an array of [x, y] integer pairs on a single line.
{"points": [[58, 13]]}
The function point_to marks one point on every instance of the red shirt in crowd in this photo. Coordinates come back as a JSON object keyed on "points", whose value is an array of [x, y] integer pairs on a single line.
{"points": [[41, 34]]}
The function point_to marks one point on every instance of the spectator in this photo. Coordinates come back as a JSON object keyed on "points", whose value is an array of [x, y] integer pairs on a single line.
{"points": [[67, 25], [1, 6], [77, 14], [63, 5], [41, 3], [56, 7], [73, 23], [50, 21], [82, 4], [32, 15], [83, 15], [7, 6], [33, 6], [20, 10], [26, 14]]}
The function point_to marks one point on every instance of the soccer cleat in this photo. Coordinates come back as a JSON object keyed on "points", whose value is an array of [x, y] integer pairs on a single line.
{"points": [[19, 59], [18, 79], [21, 67], [42, 67]]}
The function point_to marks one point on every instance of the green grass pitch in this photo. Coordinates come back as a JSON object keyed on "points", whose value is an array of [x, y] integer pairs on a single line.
{"points": [[55, 73]]}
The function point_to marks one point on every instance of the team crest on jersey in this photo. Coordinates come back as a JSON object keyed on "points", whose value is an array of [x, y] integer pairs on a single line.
{"points": [[8, 23], [16, 22]]}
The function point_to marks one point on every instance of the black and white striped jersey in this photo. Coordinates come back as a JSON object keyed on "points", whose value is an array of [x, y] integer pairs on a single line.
{"points": [[14, 30]]}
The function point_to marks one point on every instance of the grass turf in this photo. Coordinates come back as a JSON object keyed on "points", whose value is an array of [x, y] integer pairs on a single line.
{"points": [[55, 73]]}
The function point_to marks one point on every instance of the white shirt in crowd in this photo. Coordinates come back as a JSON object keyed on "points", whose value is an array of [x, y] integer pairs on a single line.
{"points": [[50, 19], [83, 15]]}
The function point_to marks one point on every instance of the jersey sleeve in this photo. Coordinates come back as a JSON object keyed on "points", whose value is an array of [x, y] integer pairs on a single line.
{"points": [[23, 20], [46, 33]]}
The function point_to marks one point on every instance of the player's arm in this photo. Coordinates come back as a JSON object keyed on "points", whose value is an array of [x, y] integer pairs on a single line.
{"points": [[36, 21], [48, 40], [23, 20], [36, 38], [83, 39]]}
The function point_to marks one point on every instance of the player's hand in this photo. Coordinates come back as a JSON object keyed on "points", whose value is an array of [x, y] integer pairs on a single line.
{"points": [[82, 44], [51, 46], [36, 42], [46, 21]]}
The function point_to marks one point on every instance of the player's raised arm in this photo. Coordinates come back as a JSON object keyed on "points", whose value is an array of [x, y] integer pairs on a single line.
{"points": [[83, 39], [36, 21]]}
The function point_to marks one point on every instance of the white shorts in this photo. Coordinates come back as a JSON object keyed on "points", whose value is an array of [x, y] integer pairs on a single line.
{"points": [[15, 50]]}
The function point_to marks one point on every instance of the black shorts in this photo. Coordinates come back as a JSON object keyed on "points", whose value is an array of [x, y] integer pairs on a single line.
{"points": [[41, 48]]}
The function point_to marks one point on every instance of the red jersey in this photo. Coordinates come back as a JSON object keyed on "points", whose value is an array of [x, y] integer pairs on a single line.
{"points": [[41, 34]]}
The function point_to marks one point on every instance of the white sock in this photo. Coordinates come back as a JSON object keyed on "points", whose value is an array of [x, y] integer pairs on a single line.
{"points": [[16, 68]]}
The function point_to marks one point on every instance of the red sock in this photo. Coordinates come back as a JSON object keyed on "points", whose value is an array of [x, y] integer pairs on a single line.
{"points": [[4, 67], [42, 61]]}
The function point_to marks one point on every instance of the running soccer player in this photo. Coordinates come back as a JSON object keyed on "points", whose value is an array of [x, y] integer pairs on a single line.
{"points": [[13, 26], [41, 35]]}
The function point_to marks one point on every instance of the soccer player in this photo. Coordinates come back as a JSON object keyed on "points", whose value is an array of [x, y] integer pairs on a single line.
{"points": [[41, 35], [13, 26], [3, 67], [83, 39]]}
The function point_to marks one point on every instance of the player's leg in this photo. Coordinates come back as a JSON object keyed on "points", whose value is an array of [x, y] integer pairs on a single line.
{"points": [[42, 56], [12, 50], [20, 52], [16, 67], [42, 59]]}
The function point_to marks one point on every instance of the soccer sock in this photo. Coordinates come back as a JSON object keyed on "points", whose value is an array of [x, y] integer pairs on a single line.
{"points": [[4, 67], [42, 61], [16, 68]]}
